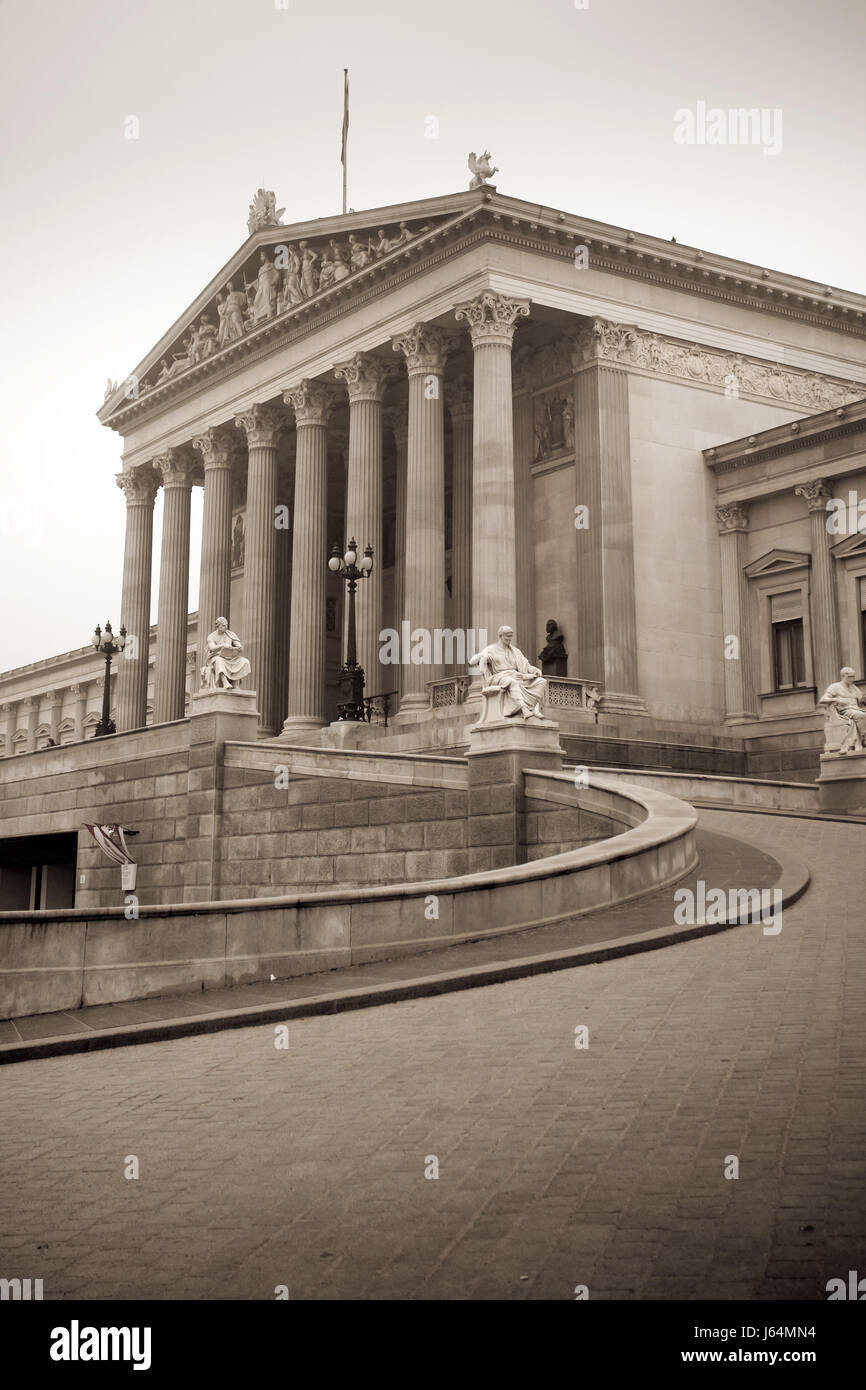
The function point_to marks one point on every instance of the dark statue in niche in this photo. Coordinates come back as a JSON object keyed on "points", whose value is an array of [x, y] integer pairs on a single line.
{"points": [[553, 424], [554, 657], [238, 542]]}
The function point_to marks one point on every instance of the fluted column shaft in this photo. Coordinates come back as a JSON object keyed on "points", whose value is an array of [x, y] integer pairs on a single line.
{"points": [[424, 585], [81, 692], [311, 403], [214, 599], [733, 519], [171, 632], [140, 487], [460, 407], [607, 623], [365, 377], [491, 320], [398, 425], [262, 426], [824, 618], [524, 538]]}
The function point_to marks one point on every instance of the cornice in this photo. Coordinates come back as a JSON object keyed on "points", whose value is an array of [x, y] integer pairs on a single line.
{"points": [[822, 428]]}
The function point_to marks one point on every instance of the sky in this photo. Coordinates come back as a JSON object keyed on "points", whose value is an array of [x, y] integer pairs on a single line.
{"points": [[107, 239]]}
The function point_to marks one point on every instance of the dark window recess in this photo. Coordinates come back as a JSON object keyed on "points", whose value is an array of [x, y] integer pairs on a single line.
{"points": [[789, 661], [37, 871]]}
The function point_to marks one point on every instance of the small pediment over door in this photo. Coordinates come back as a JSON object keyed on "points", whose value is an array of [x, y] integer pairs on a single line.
{"points": [[778, 562]]}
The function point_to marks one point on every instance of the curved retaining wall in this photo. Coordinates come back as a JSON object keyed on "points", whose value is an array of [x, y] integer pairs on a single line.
{"points": [[744, 793], [66, 959]]}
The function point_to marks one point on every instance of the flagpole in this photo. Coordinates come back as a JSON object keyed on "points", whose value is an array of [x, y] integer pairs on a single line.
{"points": [[345, 132]]}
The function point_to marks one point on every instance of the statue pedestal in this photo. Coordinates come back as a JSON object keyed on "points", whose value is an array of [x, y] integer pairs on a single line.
{"points": [[499, 751], [842, 781], [234, 713], [216, 717]]}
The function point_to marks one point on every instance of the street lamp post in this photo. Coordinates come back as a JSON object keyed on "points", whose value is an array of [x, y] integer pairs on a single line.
{"points": [[351, 674], [110, 646]]}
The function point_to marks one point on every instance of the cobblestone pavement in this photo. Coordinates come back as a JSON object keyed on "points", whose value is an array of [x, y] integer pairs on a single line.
{"points": [[558, 1166]]}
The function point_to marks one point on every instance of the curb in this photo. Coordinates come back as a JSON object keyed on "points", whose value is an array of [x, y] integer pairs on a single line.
{"points": [[793, 882]]}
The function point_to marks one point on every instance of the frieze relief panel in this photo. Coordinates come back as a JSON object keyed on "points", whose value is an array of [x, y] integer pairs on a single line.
{"points": [[740, 375]]}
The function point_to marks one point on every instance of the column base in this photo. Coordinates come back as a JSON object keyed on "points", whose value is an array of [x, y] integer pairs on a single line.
{"points": [[301, 729], [614, 702], [347, 733], [842, 782]]}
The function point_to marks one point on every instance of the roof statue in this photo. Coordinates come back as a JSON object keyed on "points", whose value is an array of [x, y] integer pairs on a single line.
{"points": [[482, 170], [264, 211]]}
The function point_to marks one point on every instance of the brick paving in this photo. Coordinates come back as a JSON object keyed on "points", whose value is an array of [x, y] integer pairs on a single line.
{"points": [[557, 1166]]}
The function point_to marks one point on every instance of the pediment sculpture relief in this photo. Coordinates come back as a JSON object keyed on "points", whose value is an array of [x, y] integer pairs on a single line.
{"points": [[285, 276]]}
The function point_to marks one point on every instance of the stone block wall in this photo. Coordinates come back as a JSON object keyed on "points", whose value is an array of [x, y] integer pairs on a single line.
{"points": [[553, 829], [332, 832], [137, 780]]}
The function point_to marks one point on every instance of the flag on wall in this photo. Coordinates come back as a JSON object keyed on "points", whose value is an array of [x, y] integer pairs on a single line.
{"points": [[111, 841]]}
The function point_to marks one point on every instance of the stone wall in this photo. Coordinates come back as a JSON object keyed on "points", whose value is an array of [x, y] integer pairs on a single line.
{"points": [[137, 780], [332, 832]]}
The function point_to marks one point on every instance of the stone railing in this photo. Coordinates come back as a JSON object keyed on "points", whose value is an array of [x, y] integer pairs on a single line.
{"points": [[570, 692], [451, 691], [563, 692]]}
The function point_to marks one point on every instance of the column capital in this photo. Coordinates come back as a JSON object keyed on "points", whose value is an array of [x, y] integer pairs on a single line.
{"points": [[459, 398], [262, 425], [602, 339], [425, 347], [175, 468], [492, 317], [732, 516], [365, 376], [312, 401], [815, 493], [138, 485], [215, 446]]}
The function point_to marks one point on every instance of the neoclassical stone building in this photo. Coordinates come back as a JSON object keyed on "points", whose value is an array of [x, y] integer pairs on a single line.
{"points": [[527, 415]]}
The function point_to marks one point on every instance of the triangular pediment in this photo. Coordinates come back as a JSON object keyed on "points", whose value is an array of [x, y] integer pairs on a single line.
{"points": [[778, 562], [849, 548], [281, 275]]}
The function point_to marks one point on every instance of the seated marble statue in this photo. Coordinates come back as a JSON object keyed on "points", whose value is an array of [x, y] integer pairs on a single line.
{"points": [[524, 689], [224, 667], [844, 696]]}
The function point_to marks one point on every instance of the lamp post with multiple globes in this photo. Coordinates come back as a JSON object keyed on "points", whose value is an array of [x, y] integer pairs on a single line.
{"points": [[109, 645], [351, 674]]}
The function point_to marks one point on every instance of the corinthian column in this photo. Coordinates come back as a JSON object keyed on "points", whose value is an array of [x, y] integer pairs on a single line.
{"points": [[216, 533], [139, 486], [175, 469], [733, 520], [365, 377], [311, 402], [424, 349], [262, 425], [607, 623], [460, 410], [491, 320], [825, 623]]}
